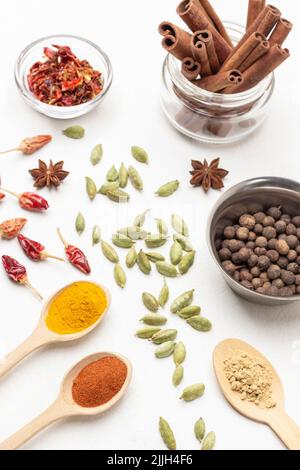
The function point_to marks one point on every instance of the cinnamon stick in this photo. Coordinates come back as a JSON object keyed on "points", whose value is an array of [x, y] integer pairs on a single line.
{"points": [[200, 55], [206, 37], [255, 7], [176, 41], [241, 54], [212, 14], [193, 14], [261, 69], [220, 81], [281, 32], [260, 50], [190, 68]]}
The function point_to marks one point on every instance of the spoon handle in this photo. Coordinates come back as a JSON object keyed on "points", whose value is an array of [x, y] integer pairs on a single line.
{"points": [[32, 343], [49, 416], [286, 429]]}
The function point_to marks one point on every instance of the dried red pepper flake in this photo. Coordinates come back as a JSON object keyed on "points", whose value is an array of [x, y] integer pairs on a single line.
{"points": [[35, 250], [75, 256], [17, 273], [63, 79]]}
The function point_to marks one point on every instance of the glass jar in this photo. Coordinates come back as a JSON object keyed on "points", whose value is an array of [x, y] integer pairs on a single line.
{"points": [[213, 117]]}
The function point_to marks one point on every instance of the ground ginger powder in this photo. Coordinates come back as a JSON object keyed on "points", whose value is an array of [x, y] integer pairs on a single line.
{"points": [[251, 378], [76, 308]]}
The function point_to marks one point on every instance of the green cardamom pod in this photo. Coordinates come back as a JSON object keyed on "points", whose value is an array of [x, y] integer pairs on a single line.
{"points": [[131, 258], [74, 132], [117, 195], [112, 174], [143, 263], [139, 154], [97, 154], [187, 262], [184, 300], [178, 376], [123, 176], [180, 226], [120, 276], [91, 188], [183, 241], [164, 295], [154, 257], [108, 186], [155, 241], [162, 227], [150, 302], [209, 442], [140, 219], [188, 312], [168, 189], [109, 252], [96, 236], [165, 350], [166, 269], [121, 241], [179, 354], [165, 336], [135, 233], [200, 323], [199, 429], [147, 332], [176, 253], [80, 223], [135, 178], [167, 434], [193, 392], [154, 319]]}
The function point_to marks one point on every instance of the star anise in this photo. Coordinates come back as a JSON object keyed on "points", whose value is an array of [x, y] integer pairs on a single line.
{"points": [[208, 175], [51, 175]]}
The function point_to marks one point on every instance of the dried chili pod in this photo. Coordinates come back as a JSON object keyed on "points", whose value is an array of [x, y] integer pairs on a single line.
{"points": [[17, 273], [11, 228], [75, 256], [31, 144], [34, 250], [30, 201], [2, 196]]}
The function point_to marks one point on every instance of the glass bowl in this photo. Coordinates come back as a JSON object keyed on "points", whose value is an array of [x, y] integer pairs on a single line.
{"points": [[84, 49]]}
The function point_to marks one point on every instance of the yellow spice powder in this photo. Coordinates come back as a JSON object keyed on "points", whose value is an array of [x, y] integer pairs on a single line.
{"points": [[76, 308]]}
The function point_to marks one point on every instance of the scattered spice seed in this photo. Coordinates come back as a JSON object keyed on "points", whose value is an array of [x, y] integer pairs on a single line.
{"points": [[154, 319], [34, 250], [166, 269], [184, 242], [75, 256], [144, 263], [31, 144], [199, 429], [186, 262], [140, 219], [112, 174], [176, 253], [147, 332], [80, 223], [162, 227], [208, 175], [91, 188], [165, 350], [209, 442], [140, 154], [17, 273], [193, 392], [121, 241], [11, 228], [51, 175], [155, 257], [74, 132], [179, 354], [200, 323], [135, 179], [155, 241], [188, 312], [109, 252], [123, 176], [96, 154], [96, 235], [168, 189], [108, 185], [178, 376], [30, 201], [167, 434], [150, 302], [120, 276], [184, 300], [164, 295], [165, 336], [117, 195], [134, 233], [180, 226], [131, 258]]}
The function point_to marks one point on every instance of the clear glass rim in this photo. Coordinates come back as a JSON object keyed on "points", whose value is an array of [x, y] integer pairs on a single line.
{"points": [[28, 95], [197, 93]]}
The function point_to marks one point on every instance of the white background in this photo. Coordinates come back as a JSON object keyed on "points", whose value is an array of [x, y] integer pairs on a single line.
{"points": [[131, 115]]}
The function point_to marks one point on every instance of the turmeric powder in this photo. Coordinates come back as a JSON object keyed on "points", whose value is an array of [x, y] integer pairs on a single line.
{"points": [[76, 308]]}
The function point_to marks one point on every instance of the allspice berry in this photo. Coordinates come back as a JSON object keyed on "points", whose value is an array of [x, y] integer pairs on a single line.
{"points": [[229, 233], [244, 254], [292, 241], [286, 217], [259, 217], [288, 277], [292, 256], [258, 229], [247, 221], [275, 212], [235, 245], [260, 251], [273, 255], [263, 263], [224, 254], [291, 229], [280, 226], [296, 221], [242, 233], [269, 233], [252, 261], [274, 272], [282, 247], [268, 221], [293, 268], [283, 262], [261, 242], [272, 244]]}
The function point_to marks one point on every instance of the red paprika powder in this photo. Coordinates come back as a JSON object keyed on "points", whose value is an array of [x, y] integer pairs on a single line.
{"points": [[99, 382]]}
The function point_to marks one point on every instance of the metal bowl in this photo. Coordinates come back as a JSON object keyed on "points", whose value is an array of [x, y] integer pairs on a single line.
{"points": [[249, 197]]}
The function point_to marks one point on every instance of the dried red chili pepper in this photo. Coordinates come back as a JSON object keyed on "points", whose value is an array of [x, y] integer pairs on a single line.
{"points": [[17, 273], [11, 228], [2, 196], [63, 79], [34, 250], [75, 256], [31, 144], [30, 201]]}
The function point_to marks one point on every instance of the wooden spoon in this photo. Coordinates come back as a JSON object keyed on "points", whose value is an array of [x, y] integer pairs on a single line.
{"points": [[276, 418], [42, 336], [64, 406]]}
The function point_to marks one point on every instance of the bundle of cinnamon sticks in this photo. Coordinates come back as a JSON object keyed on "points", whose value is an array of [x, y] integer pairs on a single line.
{"points": [[209, 58]]}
